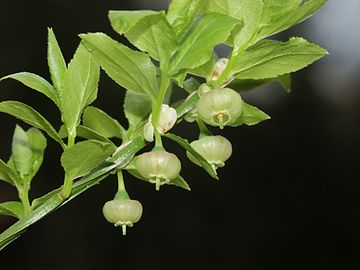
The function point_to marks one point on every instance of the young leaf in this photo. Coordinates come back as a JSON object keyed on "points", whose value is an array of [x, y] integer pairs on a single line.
{"points": [[31, 117], [250, 116], [279, 15], [247, 10], [37, 83], [14, 209], [147, 30], [21, 152], [273, 58], [182, 14], [247, 85], [37, 144], [186, 145], [84, 156], [205, 71], [102, 123], [191, 85], [197, 48], [86, 133], [137, 108], [80, 88], [56, 62], [7, 174], [131, 69]]}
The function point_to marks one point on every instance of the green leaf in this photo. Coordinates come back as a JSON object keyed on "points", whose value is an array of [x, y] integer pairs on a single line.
{"points": [[131, 69], [197, 48], [273, 58], [147, 30], [137, 108], [191, 85], [279, 15], [247, 85], [88, 181], [250, 116], [205, 70], [84, 156], [37, 83], [249, 11], [37, 144], [80, 88], [186, 145], [7, 174], [56, 62], [187, 105], [102, 123], [31, 117], [182, 14], [14, 209], [86, 133], [180, 182]]}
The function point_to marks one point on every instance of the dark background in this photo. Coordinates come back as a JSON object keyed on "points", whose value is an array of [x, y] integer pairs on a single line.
{"points": [[288, 198]]}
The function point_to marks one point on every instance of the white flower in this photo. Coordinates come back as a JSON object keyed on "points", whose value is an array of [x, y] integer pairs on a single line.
{"points": [[167, 120]]}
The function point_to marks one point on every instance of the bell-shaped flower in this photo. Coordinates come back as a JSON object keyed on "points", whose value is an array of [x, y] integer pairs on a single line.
{"points": [[167, 120]]}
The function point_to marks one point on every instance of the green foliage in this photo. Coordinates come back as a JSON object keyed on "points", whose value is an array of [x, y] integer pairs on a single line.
{"points": [[81, 158], [131, 69], [102, 123], [80, 88], [270, 59], [173, 47]]}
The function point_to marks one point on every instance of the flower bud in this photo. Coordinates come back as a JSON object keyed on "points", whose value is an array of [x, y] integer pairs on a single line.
{"points": [[219, 67], [158, 167], [220, 107], [123, 212], [167, 120], [215, 149]]}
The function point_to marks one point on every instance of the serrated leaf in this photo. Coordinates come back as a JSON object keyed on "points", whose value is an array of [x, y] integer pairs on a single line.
{"points": [[81, 158], [279, 15], [102, 123], [86, 133], [137, 108], [197, 47], [80, 88], [147, 30], [31, 117], [248, 84], [14, 209], [249, 11], [37, 143], [270, 59], [182, 14], [186, 145], [250, 116], [37, 83], [8, 175], [131, 69], [56, 62]]}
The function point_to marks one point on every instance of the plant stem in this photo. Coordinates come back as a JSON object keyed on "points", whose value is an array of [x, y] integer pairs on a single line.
{"points": [[67, 187], [24, 197], [121, 184], [164, 84], [203, 130]]}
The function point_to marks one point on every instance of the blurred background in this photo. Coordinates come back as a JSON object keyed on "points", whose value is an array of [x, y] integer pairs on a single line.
{"points": [[288, 198]]}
